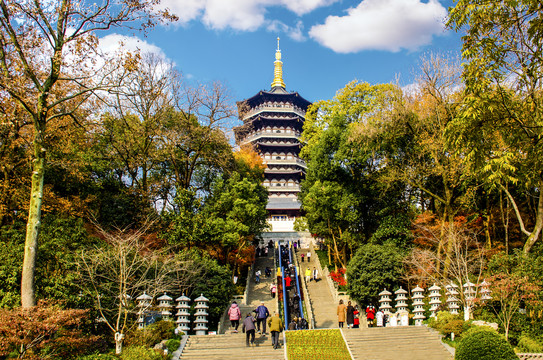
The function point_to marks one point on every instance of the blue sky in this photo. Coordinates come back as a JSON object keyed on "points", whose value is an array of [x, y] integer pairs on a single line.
{"points": [[324, 43]]}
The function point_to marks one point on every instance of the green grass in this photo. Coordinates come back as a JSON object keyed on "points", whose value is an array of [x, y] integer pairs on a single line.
{"points": [[316, 344]]}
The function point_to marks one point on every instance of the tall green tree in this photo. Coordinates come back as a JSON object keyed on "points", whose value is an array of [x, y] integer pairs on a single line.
{"points": [[499, 133], [341, 193]]}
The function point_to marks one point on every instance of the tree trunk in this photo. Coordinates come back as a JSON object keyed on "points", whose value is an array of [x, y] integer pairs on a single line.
{"points": [[28, 295], [534, 236], [118, 343]]}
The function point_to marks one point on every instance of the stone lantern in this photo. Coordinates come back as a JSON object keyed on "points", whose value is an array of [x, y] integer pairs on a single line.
{"points": [[144, 302], [401, 306], [470, 291], [435, 297], [469, 296], [485, 291], [401, 299], [384, 301], [165, 306], [183, 313], [418, 305], [452, 300], [200, 321]]}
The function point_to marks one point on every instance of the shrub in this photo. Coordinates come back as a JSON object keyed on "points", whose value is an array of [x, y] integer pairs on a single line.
{"points": [[173, 345], [152, 334], [447, 323], [484, 343], [44, 331], [98, 357], [527, 344], [140, 353]]}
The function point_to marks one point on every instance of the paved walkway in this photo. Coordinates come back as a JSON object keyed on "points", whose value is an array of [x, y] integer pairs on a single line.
{"points": [[323, 305]]}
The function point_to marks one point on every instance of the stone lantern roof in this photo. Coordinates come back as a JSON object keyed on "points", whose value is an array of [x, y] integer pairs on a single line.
{"points": [[183, 298], [165, 297]]}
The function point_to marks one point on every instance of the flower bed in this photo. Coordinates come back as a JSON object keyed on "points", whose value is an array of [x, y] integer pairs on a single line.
{"points": [[316, 344]]}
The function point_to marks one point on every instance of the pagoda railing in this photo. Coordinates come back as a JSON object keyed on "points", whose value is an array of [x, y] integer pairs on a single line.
{"points": [[285, 108], [285, 162], [283, 188], [270, 134]]}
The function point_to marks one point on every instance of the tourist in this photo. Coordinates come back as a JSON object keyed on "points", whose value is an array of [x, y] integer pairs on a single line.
{"points": [[267, 271], [295, 247], [356, 320], [262, 314], [341, 311], [249, 329], [370, 315], [379, 317], [350, 315], [234, 314], [257, 276], [293, 325], [315, 274], [276, 326], [266, 251], [302, 256], [273, 290], [287, 282], [299, 246], [308, 256], [307, 275]]}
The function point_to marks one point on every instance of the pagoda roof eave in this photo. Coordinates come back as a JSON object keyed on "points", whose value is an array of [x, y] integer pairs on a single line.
{"points": [[280, 96], [278, 145]]}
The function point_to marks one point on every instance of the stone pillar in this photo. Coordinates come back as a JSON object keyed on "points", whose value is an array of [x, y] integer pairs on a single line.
{"points": [[200, 321], [452, 300], [418, 305], [183, 313], [435, 297], [165, 306], [143, 303]]}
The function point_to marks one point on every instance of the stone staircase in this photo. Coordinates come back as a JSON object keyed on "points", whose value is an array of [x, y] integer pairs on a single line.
{"points": [[230, 346], [322, 302], [396, 343], [258, 292]]}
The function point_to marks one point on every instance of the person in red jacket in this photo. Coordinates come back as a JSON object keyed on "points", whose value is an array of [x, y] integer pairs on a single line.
{"points": [[287, 282], [370, 315]]}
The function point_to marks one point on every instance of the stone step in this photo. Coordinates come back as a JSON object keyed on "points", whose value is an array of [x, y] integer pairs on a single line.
{"points": [[230, 346], [396, 343]]}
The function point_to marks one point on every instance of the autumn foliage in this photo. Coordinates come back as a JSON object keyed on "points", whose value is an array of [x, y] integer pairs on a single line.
{"points": [[44, 331]]}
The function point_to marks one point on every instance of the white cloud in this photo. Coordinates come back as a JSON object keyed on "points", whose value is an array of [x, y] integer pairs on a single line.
{"points": [[295, 33], [389, 25], [112, 43], [244, 15], [301, 7]]}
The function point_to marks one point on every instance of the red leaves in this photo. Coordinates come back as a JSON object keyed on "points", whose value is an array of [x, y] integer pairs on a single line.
{"points": [[339, 277], [29, 331]]}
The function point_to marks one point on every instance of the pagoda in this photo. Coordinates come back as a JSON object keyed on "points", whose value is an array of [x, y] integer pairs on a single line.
{"points": [[272, 124]]}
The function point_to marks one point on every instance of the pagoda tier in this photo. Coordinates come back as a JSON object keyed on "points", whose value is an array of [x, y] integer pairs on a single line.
{"points": [[272, 124], [264, 126]]}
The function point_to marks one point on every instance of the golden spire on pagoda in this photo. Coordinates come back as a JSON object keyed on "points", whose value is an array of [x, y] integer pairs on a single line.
{"points": [[278, 71]]}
